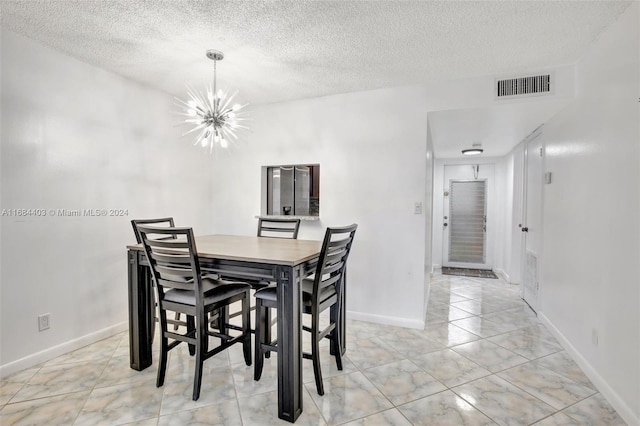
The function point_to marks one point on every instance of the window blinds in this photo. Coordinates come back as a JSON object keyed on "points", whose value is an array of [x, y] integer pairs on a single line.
{"points": [[467, 222]]}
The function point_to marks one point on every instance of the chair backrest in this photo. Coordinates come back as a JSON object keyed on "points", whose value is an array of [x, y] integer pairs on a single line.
{"points": [[332, 261], [163, 221], [173, 258], [278, 228]]}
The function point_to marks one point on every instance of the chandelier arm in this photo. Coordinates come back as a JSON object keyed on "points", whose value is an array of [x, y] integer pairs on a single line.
{"points": [[198, 98], [200, 136], [195, 129], [229, 132], [187, 106], [227, 102]]}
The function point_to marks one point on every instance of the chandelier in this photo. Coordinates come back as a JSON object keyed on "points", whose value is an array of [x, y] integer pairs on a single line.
{"points": [[212, 115]]}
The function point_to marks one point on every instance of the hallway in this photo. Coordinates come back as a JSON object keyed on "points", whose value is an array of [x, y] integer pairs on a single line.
{"points": [[483, 358]]}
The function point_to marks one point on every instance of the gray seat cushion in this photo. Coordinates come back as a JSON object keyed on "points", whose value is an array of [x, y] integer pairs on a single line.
{"points": [[214, 290], [270, 293]]}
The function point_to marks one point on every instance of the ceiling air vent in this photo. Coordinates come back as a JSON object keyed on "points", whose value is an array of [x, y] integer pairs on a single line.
{"points": [[523, 86]]}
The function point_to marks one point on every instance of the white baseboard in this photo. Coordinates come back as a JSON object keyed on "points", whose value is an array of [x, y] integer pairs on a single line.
{"points": [[385, 320], [502, 274], [61, 349], [623, 409]]}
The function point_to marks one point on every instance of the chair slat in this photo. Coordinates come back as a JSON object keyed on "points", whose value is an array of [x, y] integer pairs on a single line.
{"points": [[281, 228], [163, 221], [170, 244], [171, 258]]}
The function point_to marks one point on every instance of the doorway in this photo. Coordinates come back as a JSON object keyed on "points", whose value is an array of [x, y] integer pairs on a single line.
{"points": [[466, 234]]}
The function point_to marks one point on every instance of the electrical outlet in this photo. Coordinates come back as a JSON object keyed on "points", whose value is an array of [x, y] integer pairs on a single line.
{"points": [[43, 322], [417, 207]]}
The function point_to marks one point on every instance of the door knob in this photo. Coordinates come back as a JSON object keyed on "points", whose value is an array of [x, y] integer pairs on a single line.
{"points": [[525, 229]]}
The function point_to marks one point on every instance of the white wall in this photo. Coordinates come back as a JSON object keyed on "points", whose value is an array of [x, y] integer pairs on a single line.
{"points": [[78, 137], [371, 147], [591, 261], [428, 219], [504, 223]]}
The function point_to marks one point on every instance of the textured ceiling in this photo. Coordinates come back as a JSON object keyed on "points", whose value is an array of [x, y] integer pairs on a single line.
{"points": [[284, 50]]}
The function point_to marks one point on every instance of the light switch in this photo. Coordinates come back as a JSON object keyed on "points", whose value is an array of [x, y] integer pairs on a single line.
{"points": [[417, 207], [547, 178]]}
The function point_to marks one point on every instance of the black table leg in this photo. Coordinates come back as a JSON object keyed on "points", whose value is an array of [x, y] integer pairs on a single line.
{"points": [[289, 343], [140, 313]]}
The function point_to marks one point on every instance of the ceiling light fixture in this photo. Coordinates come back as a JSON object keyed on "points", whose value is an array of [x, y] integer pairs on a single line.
{"points": [[475, 150], [211, 113]]}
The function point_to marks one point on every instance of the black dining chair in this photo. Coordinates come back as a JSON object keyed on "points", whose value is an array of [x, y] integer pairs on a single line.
{"points": [[322, 292], [166, 222], [182, 288], [271, 228]]}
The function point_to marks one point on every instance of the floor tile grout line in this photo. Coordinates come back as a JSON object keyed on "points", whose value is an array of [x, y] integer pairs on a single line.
{"points": [[96, 382], [473, 405], [557, 409]]}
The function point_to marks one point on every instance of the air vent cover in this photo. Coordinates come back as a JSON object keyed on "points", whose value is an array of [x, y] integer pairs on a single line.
{"points": [[523, 86]]}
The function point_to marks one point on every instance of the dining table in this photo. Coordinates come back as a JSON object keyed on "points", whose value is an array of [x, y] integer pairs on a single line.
{"points": [[285, 262]]}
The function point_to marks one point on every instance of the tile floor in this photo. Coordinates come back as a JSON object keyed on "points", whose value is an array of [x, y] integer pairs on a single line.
{"points": [[482, 359]]}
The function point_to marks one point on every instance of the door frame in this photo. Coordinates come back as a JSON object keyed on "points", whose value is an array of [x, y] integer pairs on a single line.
{"points": [[536, 135], [490, 210]]}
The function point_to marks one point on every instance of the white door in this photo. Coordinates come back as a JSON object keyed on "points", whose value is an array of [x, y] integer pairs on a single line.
{"points": [[466, 234], [532, 220]]}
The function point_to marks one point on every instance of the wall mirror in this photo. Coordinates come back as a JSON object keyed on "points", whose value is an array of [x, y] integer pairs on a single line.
{"points": [[293, 190]]}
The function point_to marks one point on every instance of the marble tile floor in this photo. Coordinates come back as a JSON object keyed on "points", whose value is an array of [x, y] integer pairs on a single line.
{"points": [[482, 359]]}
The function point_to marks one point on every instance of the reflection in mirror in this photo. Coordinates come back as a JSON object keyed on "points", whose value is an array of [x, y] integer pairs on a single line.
{"points": [[293, 190]]}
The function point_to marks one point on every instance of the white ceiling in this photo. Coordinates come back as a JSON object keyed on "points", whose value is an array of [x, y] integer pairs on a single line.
{"points": [[284, 50], [498, 129]]}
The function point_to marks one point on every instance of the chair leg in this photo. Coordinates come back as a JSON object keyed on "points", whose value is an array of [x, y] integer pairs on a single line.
{"points": [[191, 326], [335, 343], [200, 351], [177, 318], [315, 353], [223, 319], [164, 344], [246, 328], [260, 336], [267, 330], [153, 306]]}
